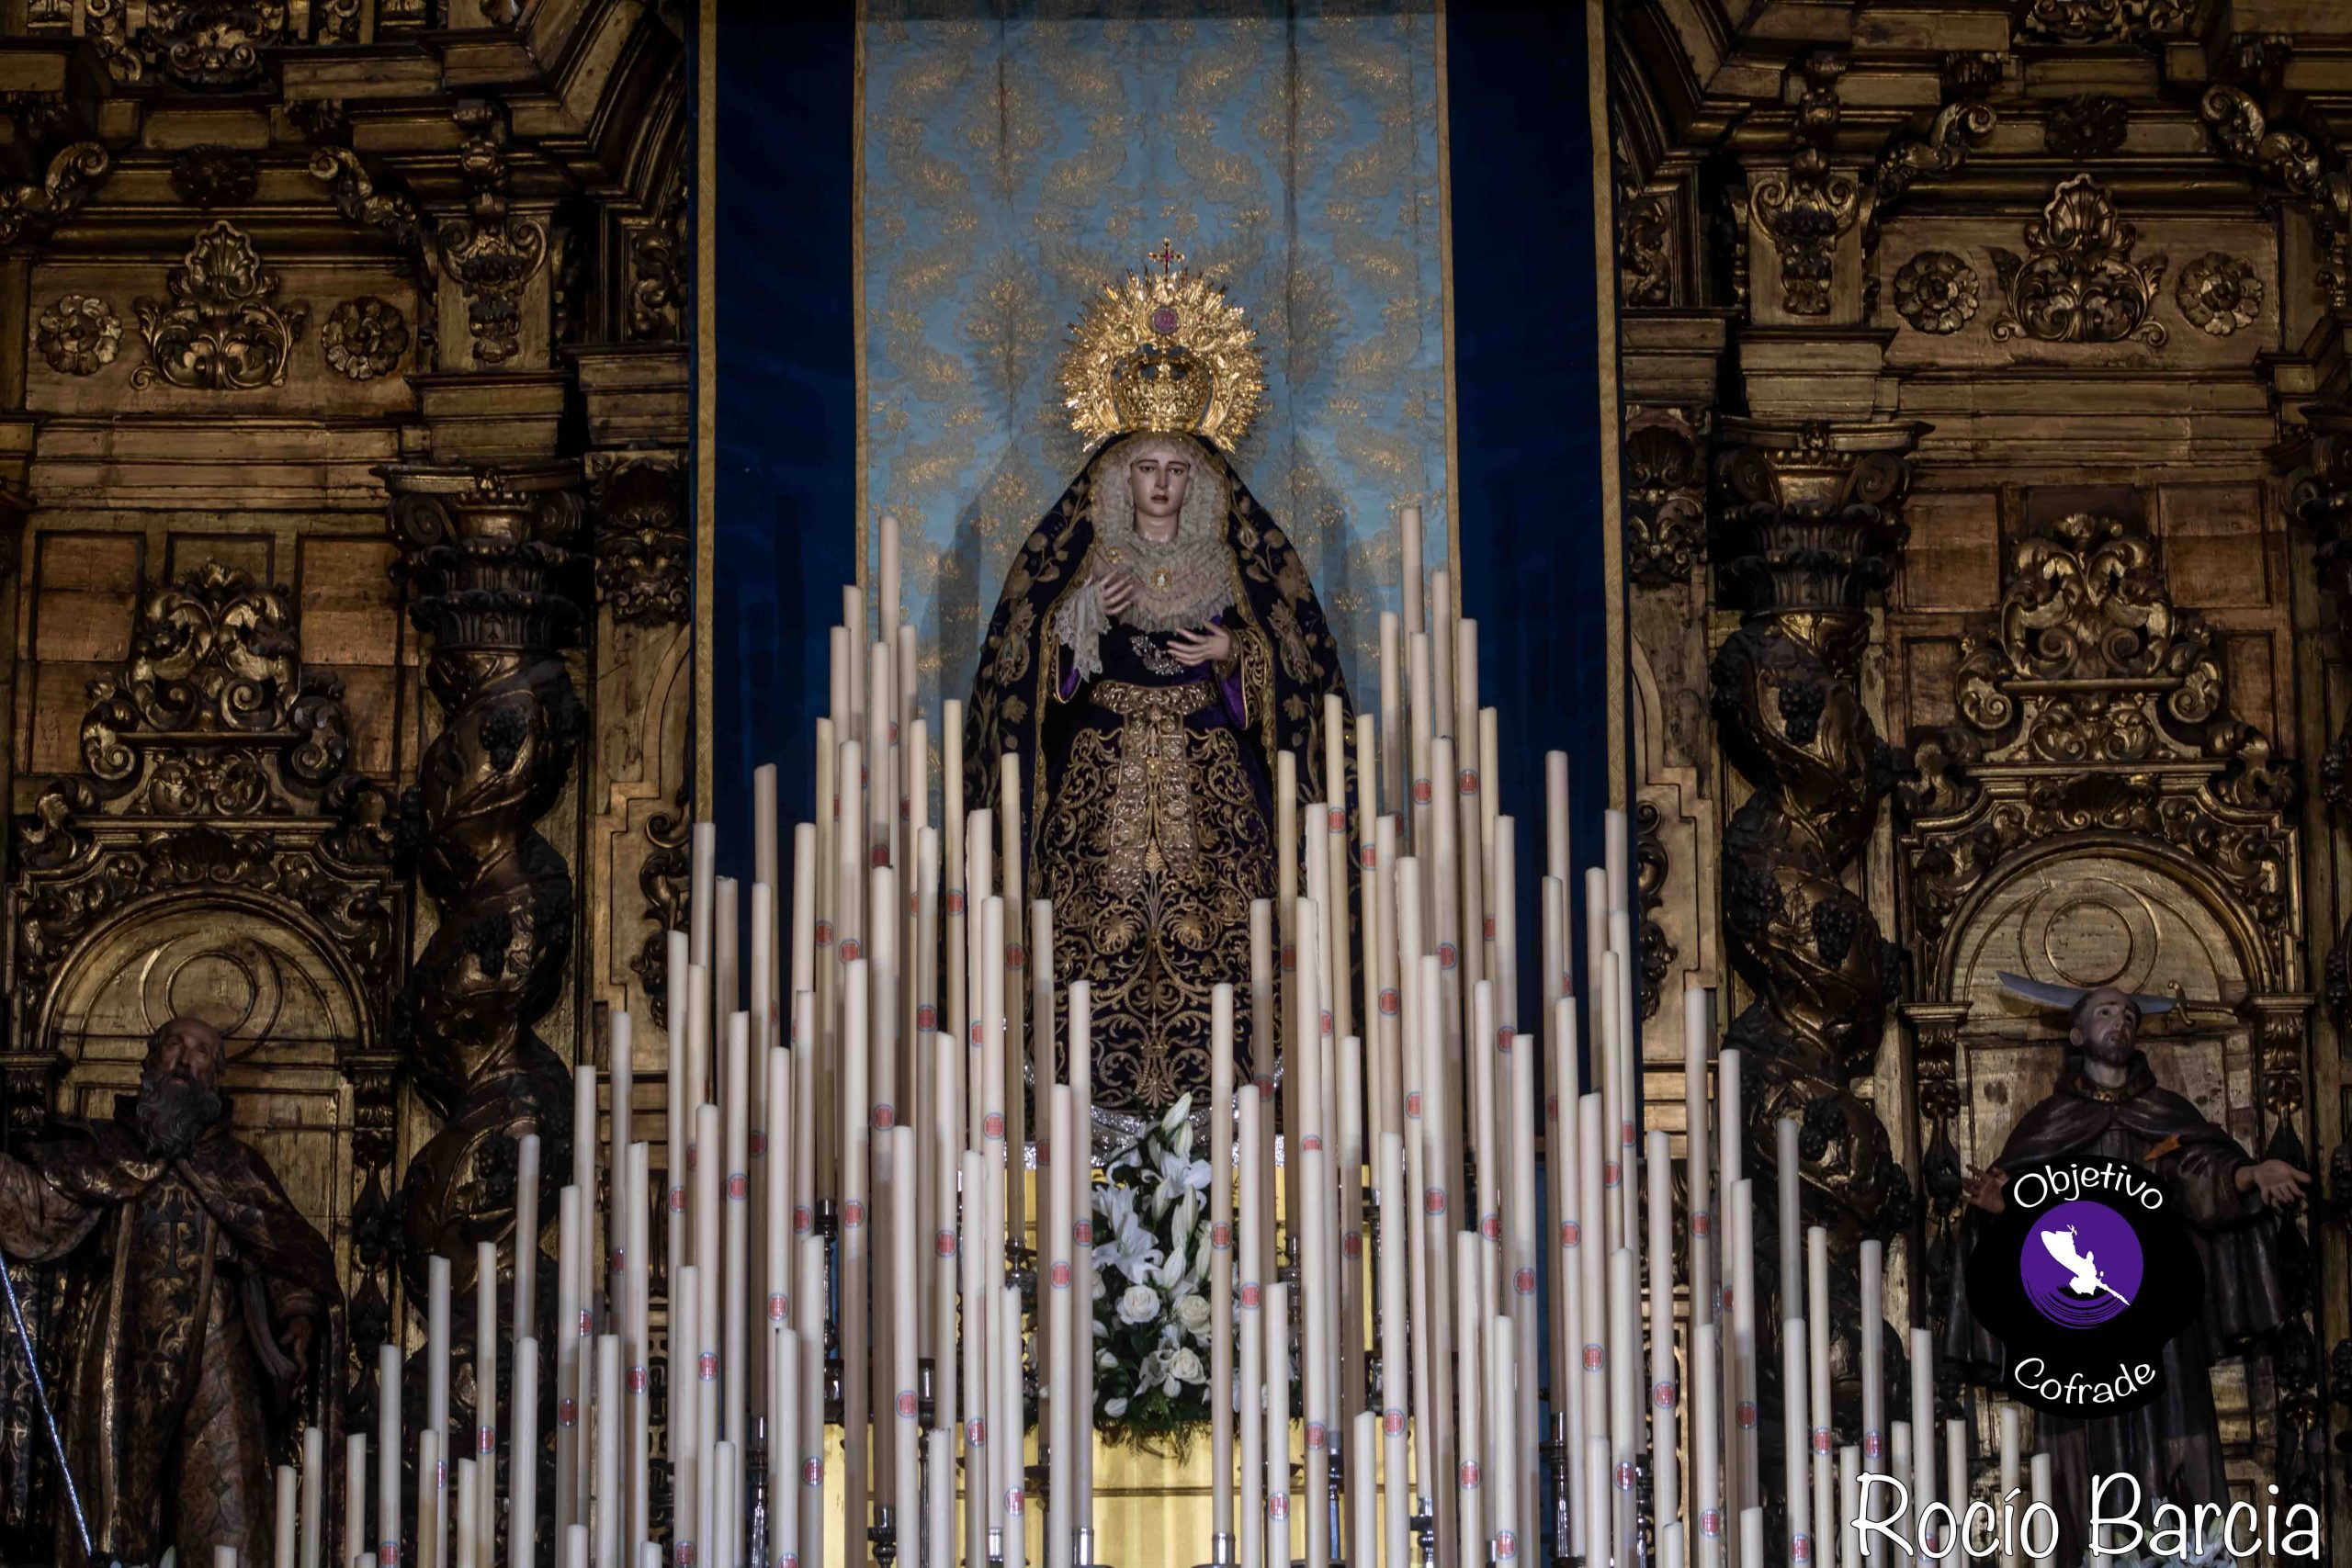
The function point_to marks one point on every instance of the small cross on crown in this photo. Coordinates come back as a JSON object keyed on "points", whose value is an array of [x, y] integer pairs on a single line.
{"points": [[1169, 257]]}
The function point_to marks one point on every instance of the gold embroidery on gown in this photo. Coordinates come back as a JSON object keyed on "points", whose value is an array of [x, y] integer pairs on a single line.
{"points": [[1153, 848]]}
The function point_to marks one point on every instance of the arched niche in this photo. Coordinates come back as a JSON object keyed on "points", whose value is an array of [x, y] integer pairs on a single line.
{"points": [[286, 1000]]}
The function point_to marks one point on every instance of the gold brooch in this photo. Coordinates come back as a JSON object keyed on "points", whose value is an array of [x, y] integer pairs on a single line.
{"points": [[1164, 352]]}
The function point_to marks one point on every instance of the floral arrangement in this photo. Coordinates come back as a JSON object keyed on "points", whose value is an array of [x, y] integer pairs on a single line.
{"points": [[1151, 1304]]}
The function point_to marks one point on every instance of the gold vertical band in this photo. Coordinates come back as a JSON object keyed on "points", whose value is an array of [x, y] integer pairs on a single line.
{"points": [[1445, 284]]}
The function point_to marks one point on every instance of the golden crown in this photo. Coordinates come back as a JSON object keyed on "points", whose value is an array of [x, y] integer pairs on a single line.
{"points": [[1164, 352]]}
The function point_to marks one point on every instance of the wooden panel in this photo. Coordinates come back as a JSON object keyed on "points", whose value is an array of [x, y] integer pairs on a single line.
{"points": [[2216, 555], [1953, 559], [350, 614], [82, 586]]}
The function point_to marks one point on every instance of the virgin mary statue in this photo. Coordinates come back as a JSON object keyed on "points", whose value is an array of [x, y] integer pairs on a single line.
{"points": [[1157, 644]]}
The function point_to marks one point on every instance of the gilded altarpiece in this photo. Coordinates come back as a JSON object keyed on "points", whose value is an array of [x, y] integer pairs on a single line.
{"points": [[2099, 814]]}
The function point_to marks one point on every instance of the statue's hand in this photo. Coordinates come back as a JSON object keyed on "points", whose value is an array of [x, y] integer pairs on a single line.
{"points": [[295, 1340], [2278, 1182], [1118, 587], [1982, 1189], [1203, 647]]}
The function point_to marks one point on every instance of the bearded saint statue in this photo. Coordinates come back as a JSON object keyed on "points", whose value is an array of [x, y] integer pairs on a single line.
{"points": [[1157, 643], [2107, 1103], [206, 1304]]}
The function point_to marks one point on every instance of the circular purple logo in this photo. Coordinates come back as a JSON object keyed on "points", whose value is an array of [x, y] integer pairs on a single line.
{"points": [[2080, 1264]]}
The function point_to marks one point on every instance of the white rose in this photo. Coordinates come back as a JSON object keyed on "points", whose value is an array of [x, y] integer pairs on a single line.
{"points": [[1193, 1312], [1138, 1303], [1185, 1366]]}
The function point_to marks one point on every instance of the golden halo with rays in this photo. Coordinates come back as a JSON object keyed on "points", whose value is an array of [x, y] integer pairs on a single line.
{"points": [[1165, 351]]}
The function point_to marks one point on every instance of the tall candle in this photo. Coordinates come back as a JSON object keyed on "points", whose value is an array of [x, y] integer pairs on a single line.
{"points": [[1849, 1501], [637, 1293], [1316, 1286], [1956, 1465], [2045, 1493], [1419, 715], [947, 1150], [736, 1222], [486, 1395], [684, 1422], [1824, 1458], [1502, 1405], [1795, 1400], [1010, 867], [436, 1377], [1790, 1226], [355, 1496], [704, 849], [1695, 1182], [1666, 1482], [1061, 1348], [886, 608], [1080, 1008], [1612, 1097], [522, 1459], [1392, 792], [1442, 647], [855, 1326], [1006, 1386], [979, 1357], [1873, 1457], [314, 1496], [1221, 1149], [1743, 1330], [1394, 1199], [1524, 1236], [1624, 1358], [1566, 1166], [1707, 1444], [1277, 1335], [1251, 1338], [1409, 580], [1595, 1204], [527, 1213], [1898, 1456], [1923, 1424], [906, 1415], [675, 1108], [288, 1520], [784, 1453], [620, 1081], [388, 1456], [2011, 1448]]}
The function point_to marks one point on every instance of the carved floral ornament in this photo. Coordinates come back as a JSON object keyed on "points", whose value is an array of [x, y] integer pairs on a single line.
{"points": [[78, 335], [2077, 282], [2218, 294], [2094, 706], [1936, 292], [221, 331], [364, 338]]}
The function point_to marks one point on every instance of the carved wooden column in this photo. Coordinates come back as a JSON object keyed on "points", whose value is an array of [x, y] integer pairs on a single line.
{"points": [[488, 552]]}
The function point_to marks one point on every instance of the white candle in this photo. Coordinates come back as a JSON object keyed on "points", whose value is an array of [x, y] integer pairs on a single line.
{"points": [[1315, 1288], [1277, 1335], [1874, 1458], [1786, 1168], [736, 1221], [1825, 1458], [1568, 1158], [1502, 1405], [939, 1501], [675, 1108], [1795, 1404], [1596, 1489], [684, 1423], [526, 1209], [224, 1557], [635, 1326], [1010, 1486], [620, 1079], [978, 1358], [1898, 1452], [906, 1415], [1395, 1198], [608, 1514], [1956, 1464], [1849, 1501], [1751, 1535], [1250, 1333], [1392, 794], [1592, 1265], [2011, 1448], [1409, 583], [570, 1463], [1743, 1328], [2046, 1494], [1666, 1482], [431, 1498], [522, 1459], [887, 604], [314, 1495], [486, 1395], [387, 1455], [355, 1496], [1220, 1153], [1062, 1349], [705, 852], [282, 1554], [1625, 1375], [436, 1377], [1699, 1193], [1707, 1444], [783, 1452], [1923, 1424], [855, 1326]]}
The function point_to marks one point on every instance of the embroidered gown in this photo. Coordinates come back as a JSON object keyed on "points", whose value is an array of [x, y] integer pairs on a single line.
{"points": [[1146, 790]]}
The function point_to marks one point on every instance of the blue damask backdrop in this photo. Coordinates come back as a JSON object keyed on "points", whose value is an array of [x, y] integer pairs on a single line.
{"points": [[1010, 163]]}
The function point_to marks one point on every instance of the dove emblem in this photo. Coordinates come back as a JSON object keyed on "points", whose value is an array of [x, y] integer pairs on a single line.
{"points": [[2061, 1244], [2081, 1264]]}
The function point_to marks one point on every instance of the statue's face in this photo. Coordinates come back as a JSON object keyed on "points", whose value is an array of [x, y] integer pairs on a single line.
{"points": [[188, 1049], [1157, 479], [2107, 1024]]}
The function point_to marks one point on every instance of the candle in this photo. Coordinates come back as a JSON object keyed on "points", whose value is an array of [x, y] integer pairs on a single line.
{"points": [[1006, 1386], [1786, 1166], [1315, 1288], [1363, 1523], [1062, 1349], [675, 1109], [1592, 1264], [1392, 794], [224, 1557], [1666, 1479], [1796, 1401], [784, 1451], [1923, 1425], [736, 1219], [1824, 1460], [906, 1415], [486, 1393], [1751, 1535], [684, 1422], [1596, 1490], [1014, 1003], [887, 604], [1082, 1102], [1874, 1355], [1568, 1158], [432, 1498], [1444, 645], [1420, 715], [527, 1207], [1220, 1152], [1956, 1468], [1694, 1121], [1626, 1044], [1502, 1405], [570, 1461], [608, 1512], [1849, 1503], [636, 1292], [1277, 1333], [1743, 1328], [387, 1455], [522, 1460], [620, 1080], [938, 1501], [314, 1495], [355, 1496], [1393, 1197], [705, 864], [855, 1324], [2010, 1449], [1250, 1344], [282, 1554], [2045, 1493], [1707, 1443], [947, 1150], [1625, 1421], [1612, 1097], [1409, 585], [436, 1379], [1898, 1449], [979, 1508]]}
